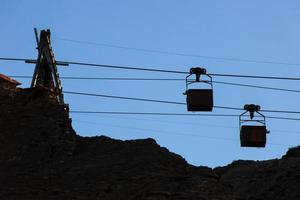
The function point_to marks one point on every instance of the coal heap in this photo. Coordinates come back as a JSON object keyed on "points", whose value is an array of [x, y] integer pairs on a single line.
{"points": [[41, 157]]}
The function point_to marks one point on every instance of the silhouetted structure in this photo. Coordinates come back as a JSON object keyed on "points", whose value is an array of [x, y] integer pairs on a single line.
{"points": [[253, 135], [45, 72], [199, 99]]}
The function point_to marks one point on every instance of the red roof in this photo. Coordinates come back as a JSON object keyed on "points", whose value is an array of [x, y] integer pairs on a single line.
{"points": [[8, 79]]}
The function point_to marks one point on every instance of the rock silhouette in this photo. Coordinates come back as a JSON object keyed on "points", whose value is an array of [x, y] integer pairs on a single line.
{"points": [[41, 157]]}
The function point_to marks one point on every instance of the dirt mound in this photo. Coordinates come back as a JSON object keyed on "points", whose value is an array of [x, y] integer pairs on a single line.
{"points": [[41, 157]]}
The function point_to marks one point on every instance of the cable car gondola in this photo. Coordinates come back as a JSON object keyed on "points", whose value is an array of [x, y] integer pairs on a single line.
{"points": [[253, 131], [199, 99]]}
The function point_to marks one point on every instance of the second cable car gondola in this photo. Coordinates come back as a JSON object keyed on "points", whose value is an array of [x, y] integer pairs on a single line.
{"points": [[199, 99], [253, 131]]}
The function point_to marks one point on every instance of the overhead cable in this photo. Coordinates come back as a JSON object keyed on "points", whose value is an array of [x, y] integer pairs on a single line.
{"points": [[160, 70], [171, 102], [14, 59], [31, 61], [125, 67], [183, 72], [164, 79], [141, 99], [281, 111], [110, 78], [172, 114], [152, 113], [257, 86], [175, 53], [256, 77], [120, 97]]}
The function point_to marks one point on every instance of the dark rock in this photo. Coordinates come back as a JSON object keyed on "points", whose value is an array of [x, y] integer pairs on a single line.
{"points": [[293, 153], [41, 157]]}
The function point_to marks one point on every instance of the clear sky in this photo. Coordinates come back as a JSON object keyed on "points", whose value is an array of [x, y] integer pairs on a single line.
{"points": [[266, 30]]}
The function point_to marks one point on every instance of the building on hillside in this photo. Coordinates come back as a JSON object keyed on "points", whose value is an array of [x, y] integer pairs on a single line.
{"points": [[7, 83]]}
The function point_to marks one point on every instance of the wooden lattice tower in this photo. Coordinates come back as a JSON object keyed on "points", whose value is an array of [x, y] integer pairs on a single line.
{"points": [[45, 72]]}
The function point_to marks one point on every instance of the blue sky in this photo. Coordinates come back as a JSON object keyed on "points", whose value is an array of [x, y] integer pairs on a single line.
{"points": [[259, 30]]}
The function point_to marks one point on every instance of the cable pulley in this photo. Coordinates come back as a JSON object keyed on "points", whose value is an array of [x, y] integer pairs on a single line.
{"points": [[251, 108]]}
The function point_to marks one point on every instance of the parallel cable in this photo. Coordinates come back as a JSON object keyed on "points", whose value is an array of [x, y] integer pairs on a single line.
{"points": [[283, 118], [155, 131], [110, 78], [126, 98], [172, 114], [257, 86], [152, 113], [196, 124], [171, 102], [281, 111], [166, 79], [160, 70], [176, 54], [124, 67], [142, 99], [122, 79], [228, 108], [158, 131], [182, 72], [256, 77], [14, 59], [99, 65]]}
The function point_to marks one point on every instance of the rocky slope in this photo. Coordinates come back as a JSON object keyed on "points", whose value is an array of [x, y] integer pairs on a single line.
{"points": [[41, 157]]}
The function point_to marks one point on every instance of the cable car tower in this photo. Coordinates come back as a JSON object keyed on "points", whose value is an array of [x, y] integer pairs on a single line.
{"points": [[45, 72], [199, 99], [253, 134]]}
